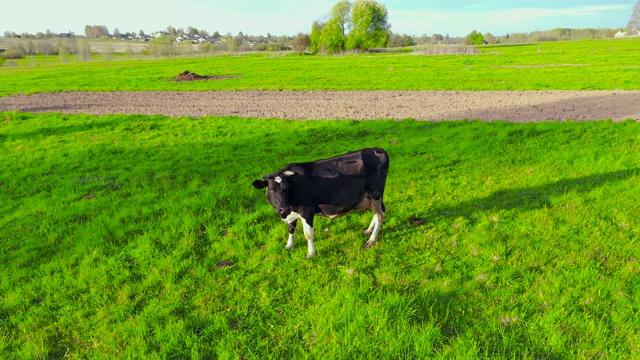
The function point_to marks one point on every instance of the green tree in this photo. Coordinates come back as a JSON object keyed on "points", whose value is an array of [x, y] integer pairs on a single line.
{"points": [[332, 39], [315, 39], [474, 38], [340, 13], [370, 26], [366, 21]]}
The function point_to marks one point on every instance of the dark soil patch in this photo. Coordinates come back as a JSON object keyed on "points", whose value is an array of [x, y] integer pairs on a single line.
{"points": [[224, 264], [514, 106], [189, 76]]}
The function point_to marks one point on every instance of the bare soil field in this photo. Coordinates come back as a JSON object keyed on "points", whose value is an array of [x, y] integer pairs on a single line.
{"points": [[513, 106]]}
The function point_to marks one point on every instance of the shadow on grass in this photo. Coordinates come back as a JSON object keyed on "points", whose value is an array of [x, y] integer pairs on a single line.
{"points": [[451, 307], [618, 106], [79, 123], [524, 198]]}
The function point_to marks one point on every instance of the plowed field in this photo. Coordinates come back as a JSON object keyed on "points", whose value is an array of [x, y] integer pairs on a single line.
{"points": [[513, 106]]}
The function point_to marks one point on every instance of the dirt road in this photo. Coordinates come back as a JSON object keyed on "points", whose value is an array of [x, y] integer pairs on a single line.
{"points": [[514, 106]]}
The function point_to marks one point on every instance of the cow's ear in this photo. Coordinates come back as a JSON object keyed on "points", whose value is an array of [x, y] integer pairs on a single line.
{"points": [[258, 184], [289, 173]]}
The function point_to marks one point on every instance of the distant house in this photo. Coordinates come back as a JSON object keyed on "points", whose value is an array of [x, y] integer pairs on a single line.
{"points": [[635, 32], [620, 34], [65, 35]]}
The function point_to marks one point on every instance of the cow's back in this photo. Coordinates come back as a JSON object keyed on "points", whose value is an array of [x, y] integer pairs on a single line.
{"points": [[341, 182]]}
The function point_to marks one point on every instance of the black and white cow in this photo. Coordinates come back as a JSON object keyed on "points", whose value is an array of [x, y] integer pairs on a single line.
{"points": [[330, 188]]}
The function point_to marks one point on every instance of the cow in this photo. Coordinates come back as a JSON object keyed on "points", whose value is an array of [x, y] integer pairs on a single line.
{"points": [[330, 188]]}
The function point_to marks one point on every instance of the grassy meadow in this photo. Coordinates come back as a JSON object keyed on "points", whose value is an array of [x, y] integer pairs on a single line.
{"points": [[582, 65], [129, 236], [134, 236]]}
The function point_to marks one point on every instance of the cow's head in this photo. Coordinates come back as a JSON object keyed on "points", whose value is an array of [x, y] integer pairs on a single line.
{"points": [[277, 191]]}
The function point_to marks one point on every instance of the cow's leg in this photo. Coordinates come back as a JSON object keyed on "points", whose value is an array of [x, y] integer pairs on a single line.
{"points": [[374, 228], [292, 230], [369, 230], [307, 223], [374, 220]]}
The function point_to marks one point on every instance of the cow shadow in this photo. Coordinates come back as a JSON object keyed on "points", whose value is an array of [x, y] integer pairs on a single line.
{"points": [[521, 198], [446, 304]]}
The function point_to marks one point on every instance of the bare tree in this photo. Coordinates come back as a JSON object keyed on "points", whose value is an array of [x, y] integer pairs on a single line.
{"points": [[191, 31], [300, 43], [634, 22], [64, 54], [85, 51], [96, 31], [108, 52]]}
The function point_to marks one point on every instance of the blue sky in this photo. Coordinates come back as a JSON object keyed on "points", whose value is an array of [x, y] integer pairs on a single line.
{"points": [[280, 17]]}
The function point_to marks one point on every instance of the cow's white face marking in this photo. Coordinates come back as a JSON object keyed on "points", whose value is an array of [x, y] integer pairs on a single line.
{"points": [[289, 173], [278, 179]]}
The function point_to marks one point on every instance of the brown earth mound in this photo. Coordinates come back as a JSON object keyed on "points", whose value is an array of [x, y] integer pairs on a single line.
{"points": [[189, 76]]}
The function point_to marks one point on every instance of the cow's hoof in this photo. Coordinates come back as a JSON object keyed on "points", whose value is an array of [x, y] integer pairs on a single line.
{"points": [[367, 232], [288, 247], [369, 244], [310, 255]]}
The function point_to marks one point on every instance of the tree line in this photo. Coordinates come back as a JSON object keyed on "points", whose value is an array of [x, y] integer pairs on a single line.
{"points": [[360, 25]]}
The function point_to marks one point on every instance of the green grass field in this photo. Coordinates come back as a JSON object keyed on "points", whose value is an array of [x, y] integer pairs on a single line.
{"points": [[584, 65], [142, 237]]}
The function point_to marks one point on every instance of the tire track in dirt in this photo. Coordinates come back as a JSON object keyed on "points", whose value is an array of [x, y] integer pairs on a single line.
{"points": [[513, 106]]}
